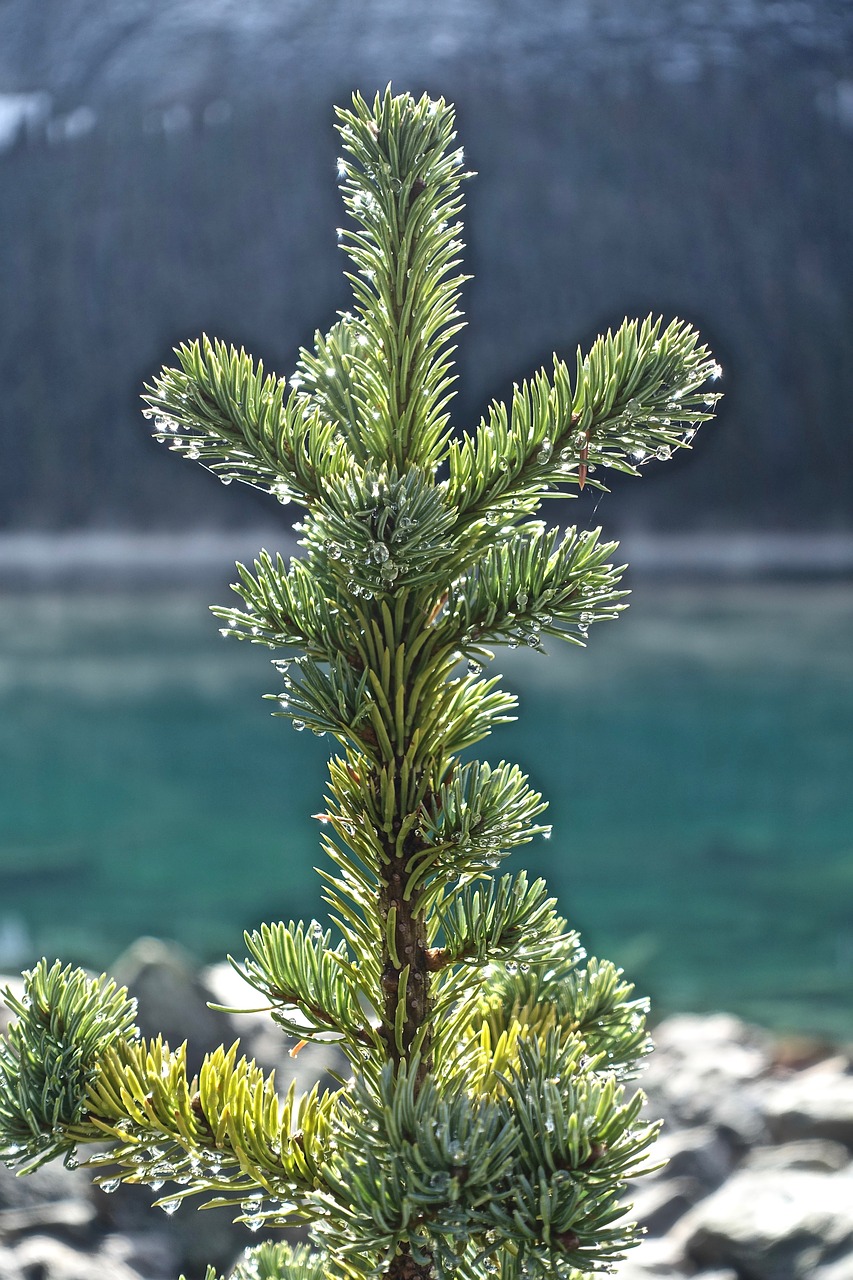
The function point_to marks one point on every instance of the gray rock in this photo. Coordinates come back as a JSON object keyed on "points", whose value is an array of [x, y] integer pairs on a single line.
{"points": [[69, 1219], [771, 1225], [9, 1269], [652, 1259], [50, 1183], [42, 1258], [702, 1066], [817, 1103], [698, 1153], [154, 1254], [172, 998], [660, 1204], [815, 1154], [16, 985], [841, 1269], [188, 1240]]}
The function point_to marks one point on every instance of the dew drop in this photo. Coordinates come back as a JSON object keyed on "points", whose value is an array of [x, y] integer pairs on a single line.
{"points": [[545, 450], [663, 452], [298, 725], [170, 1206], [193, 453], [111, 1185]]}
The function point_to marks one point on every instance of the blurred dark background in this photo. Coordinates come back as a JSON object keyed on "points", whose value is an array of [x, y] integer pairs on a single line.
{"points": [[169, 169]]}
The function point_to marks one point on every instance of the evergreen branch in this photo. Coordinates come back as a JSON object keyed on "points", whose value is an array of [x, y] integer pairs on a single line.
{"points": [[220, 409], [401, 187], [637, 394], [332, 698], [280, 1261], [576, 1142], [326, 373], [310, 985], [507, 917], [473, 821], [65, 1023], [226, 1132], [592, 1002], [73, 1074], [379, 530], [419, 1168], [517, 591], [467, 710], [287, 606]]}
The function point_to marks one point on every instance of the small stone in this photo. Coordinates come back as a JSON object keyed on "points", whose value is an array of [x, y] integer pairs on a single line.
{"points": [[817, 1103], [657, 1204], [814, 1154], [771, 1225]]}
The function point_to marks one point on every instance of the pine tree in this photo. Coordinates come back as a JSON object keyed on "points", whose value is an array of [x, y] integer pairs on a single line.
{"points": [[485, 1126]]}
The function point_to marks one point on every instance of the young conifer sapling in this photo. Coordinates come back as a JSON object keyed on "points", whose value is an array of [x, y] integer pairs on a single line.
{"points": [[485, 1125]]}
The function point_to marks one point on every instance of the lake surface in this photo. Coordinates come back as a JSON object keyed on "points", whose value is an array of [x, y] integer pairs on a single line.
{"points": [[697, 758]]}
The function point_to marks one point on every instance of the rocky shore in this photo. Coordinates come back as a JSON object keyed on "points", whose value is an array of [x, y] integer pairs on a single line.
{"points": [[758, 1144]]}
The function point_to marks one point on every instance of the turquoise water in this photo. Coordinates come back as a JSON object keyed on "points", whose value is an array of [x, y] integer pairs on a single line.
{"points": [[697, 758]]}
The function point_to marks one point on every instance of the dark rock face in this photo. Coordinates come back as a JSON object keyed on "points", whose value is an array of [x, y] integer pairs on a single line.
{"points": [[168, 169]]}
